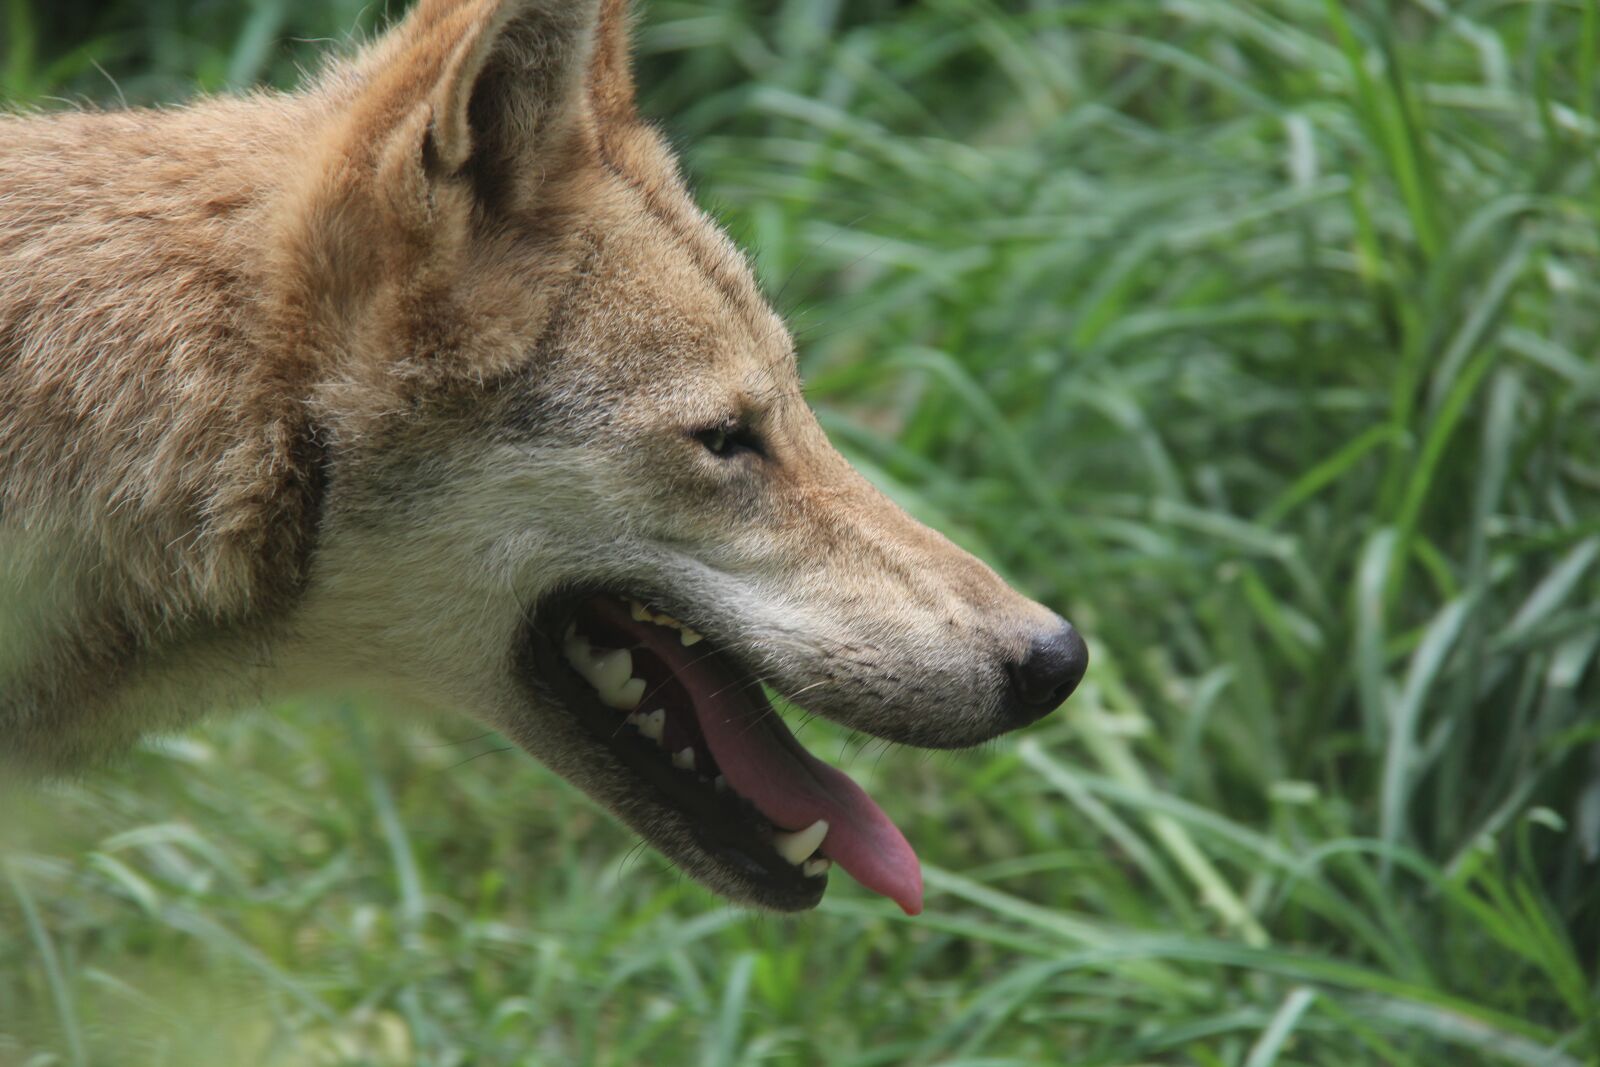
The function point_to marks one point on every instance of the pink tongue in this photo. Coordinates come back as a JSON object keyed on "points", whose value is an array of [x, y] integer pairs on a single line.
{"points": [[767, 766]]}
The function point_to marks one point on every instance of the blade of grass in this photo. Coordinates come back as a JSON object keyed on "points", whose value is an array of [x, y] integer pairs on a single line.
{"points": [[60, 991]]}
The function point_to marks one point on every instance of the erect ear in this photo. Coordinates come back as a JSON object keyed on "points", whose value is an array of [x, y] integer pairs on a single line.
{"points": [[465, 106], [514, 78], [611, 72], [494, 86]]}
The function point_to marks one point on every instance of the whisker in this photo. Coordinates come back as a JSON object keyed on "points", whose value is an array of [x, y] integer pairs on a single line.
{"points": [[463, 741], [633, 853], [812, 250], [480, 755]]}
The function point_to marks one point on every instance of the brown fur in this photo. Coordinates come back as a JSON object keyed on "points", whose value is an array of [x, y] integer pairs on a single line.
{"points": [[175, 294], [326, 389]]}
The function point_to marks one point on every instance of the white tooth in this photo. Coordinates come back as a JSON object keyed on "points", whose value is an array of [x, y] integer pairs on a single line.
{"points": [[626, 696], [572, 631], [640, 612], [817, 867], [668, 620], [797, 846], [653, 724], [608, 671], [690, 636], [577, 653], [683, 759], [720, 784]]}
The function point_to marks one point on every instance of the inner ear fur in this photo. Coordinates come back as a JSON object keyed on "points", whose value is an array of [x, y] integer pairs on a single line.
{"points": [[491, 84], [494, 90], [513, 81], [466, 107]]}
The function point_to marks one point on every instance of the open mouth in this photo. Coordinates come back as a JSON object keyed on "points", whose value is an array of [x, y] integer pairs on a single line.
{"points": [[696, 731]]}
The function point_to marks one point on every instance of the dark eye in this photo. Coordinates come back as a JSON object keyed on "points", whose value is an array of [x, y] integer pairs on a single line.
{"points": [[725, 442]]}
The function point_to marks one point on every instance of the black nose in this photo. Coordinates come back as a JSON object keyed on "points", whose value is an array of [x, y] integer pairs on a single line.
{"points": [[1048, 672]]}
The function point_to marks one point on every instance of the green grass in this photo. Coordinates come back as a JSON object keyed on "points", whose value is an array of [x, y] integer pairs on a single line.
{"points": [[1258, 337]]}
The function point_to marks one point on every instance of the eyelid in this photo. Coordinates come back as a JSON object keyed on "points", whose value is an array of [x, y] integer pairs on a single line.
{"points": [[736, 436]]}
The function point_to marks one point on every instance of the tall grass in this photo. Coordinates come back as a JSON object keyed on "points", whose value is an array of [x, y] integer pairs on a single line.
{"points": [[1256, 336]]}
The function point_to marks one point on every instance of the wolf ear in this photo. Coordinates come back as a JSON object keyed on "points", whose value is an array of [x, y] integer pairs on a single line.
{"points": [[611, 72], [465, 106], [490, 86], [518, 79], [507, 75]]}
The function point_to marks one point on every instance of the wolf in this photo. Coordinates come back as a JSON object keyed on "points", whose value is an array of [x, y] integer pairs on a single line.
{"points": [[430, 380]]}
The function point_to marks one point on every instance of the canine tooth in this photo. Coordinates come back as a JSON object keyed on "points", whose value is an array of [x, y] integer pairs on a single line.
{"points": [[817, 867], [640, 612], [653, 724], [690, 636], [683, 759], [720, 783], [609, 671], [797, 846], [626, 696], [576, 649]]}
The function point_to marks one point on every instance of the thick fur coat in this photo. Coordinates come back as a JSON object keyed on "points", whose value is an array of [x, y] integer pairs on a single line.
{"points": [[332, 389]]}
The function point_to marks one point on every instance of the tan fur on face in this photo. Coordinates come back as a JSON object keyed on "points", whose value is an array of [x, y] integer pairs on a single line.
{"points": [[332, 389]]}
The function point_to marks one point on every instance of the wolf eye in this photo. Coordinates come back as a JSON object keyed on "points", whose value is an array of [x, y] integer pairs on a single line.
{"points": [[725, 442]]}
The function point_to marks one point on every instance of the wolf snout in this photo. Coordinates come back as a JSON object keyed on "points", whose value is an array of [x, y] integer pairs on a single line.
{"points": [[1048, 672]]}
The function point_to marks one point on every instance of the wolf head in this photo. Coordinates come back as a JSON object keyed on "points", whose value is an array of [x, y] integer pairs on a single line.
{"points": [[575, 489]]}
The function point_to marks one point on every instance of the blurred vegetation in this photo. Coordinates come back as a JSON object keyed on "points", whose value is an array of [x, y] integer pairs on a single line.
{"points": [[1257, 336]]}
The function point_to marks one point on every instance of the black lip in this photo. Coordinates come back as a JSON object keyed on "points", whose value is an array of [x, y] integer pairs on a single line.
{"points": [[727, 827]]}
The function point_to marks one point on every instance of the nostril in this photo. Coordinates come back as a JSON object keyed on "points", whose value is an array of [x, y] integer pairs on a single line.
{"points": [[1049, 671]]}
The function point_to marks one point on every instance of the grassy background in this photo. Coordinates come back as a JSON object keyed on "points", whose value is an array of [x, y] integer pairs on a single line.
{"points": [[1256, 335]]}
